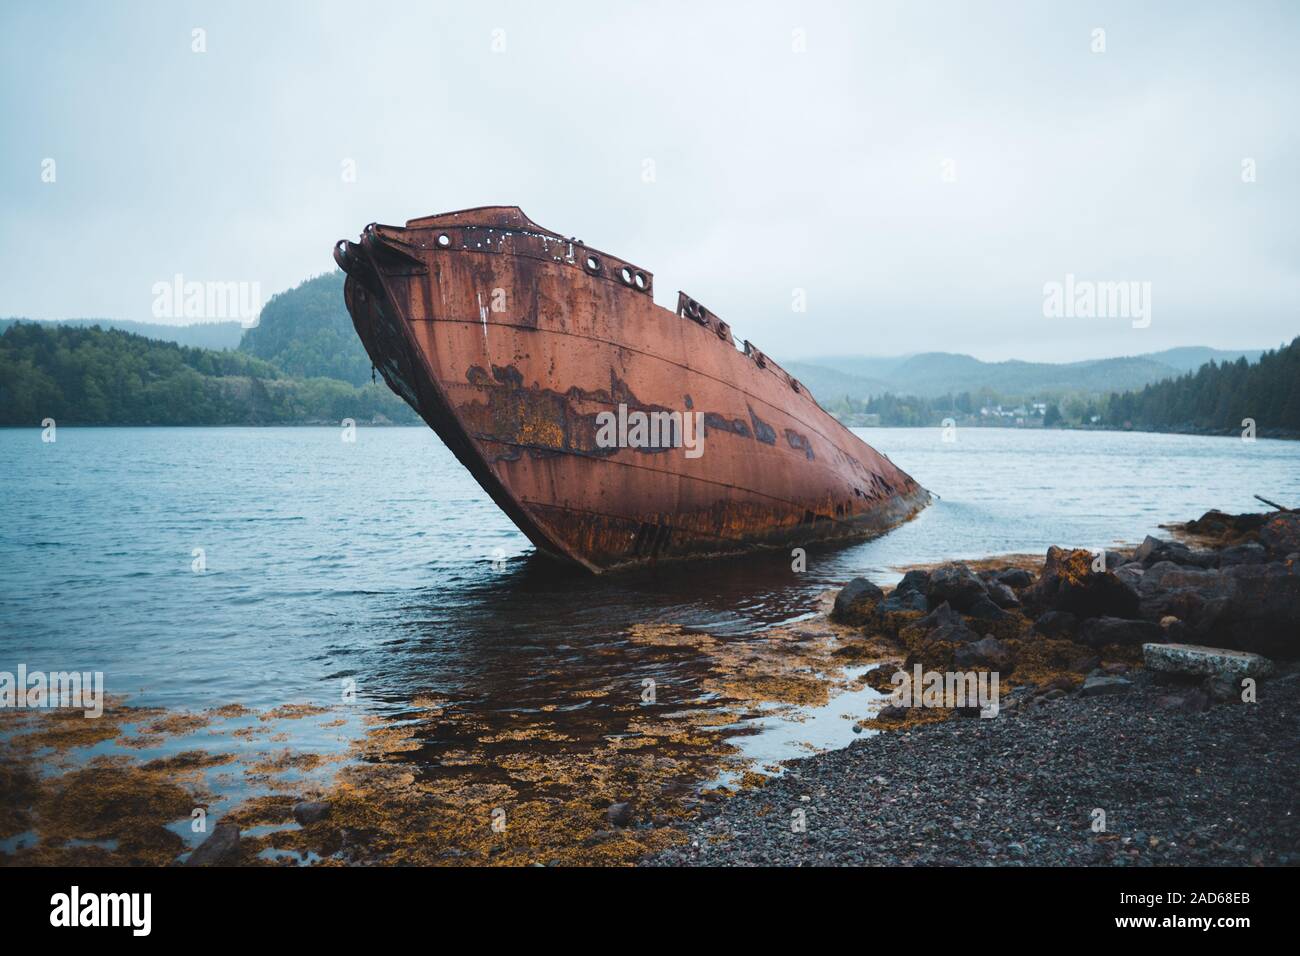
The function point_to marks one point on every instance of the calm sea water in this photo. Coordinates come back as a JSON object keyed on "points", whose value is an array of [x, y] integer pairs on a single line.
{"points": [[374, 560]]}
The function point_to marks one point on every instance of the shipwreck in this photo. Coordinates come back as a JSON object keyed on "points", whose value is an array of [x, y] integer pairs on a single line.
{"points": [[613, 432]]}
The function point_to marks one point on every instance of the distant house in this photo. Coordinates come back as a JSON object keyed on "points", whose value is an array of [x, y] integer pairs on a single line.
{"points": [[996, 411]]}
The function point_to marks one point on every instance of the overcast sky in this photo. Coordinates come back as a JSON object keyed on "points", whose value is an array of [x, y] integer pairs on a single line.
{"points": [[739, 151]]}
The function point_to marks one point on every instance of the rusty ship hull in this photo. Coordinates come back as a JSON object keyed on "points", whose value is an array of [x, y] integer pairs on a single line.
{"points": [[509, 340]]}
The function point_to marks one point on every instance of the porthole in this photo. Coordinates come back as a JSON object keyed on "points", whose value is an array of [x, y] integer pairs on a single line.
{"points": [[626, 273], [724, 329], [642, 282], [593, 265], [444, 240]]}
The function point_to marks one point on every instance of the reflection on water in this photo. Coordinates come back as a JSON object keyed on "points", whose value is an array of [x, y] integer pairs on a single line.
{"points": [[328, 562]]}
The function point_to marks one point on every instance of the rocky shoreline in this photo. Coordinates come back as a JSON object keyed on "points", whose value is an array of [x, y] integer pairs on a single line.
{"points": [[1149, 715], [1089, 718], [1214, 787]]}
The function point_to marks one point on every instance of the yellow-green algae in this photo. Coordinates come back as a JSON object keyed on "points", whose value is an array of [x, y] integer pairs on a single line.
{"points": [[520, 789]]}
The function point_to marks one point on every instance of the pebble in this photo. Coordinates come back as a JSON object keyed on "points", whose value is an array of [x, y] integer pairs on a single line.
{"points": [[1217, 786]]}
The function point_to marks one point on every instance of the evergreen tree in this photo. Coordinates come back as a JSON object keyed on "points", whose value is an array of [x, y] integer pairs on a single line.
{"points": [[1218, 398], [87, 375]]}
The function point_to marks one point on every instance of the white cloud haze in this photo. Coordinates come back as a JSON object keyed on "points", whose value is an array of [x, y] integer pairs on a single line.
{"points": [[774, 169]]}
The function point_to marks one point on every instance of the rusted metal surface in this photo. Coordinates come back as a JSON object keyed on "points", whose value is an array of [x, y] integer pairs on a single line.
{"points": [[509, 340]]}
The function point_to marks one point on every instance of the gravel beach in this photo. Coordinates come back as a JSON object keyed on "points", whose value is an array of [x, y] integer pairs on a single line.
{"points": [[1178, 788]]}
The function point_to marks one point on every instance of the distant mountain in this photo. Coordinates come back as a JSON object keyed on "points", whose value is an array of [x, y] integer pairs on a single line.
{"points": [[829, 384], [307, 332], [200, 335], [862, 366], [933, 374]]}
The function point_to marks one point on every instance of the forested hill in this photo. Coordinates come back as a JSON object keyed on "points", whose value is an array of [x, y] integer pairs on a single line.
{"points": [[204, 335], [303, 362], [307, 332], [1218, 397], [95, 376]]}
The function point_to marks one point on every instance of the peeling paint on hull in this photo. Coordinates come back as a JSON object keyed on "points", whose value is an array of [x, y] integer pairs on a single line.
{"points": [[509, 340]]}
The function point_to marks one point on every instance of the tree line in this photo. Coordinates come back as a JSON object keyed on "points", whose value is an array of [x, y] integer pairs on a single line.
{"points": [[95, 376], [1217, 398]]}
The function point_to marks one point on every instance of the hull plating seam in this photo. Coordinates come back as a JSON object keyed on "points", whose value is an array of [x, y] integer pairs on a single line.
{"points": [[662, 471], [648, 355], [788, 535]]}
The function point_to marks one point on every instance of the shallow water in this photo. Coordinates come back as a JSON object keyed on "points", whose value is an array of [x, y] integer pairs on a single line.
{"points": [[373, 562]]}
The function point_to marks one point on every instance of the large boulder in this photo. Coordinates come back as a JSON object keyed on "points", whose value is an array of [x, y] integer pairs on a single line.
{"points": [[1169, 575], [1101, 632], [1251, 552], [954, 634], [905, 601], [1198, 598], [988, 652], [1131, 574], [856, 602], [983, 609], [956, 585], [1117, 559], [942, 624], [1015, 577], [1280, 534], [1193, 660], [1001, 595], [1219, 524], [221, 848], [1264, 609], [914, 581], [1250, 607], [1154, 550], [940, 618], [1059, 625], [1069, 583]]}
